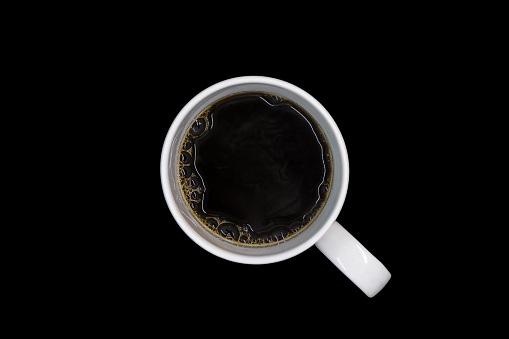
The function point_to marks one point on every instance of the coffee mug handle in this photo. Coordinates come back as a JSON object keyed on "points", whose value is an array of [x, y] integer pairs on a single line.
{"points": [[354, 260]]}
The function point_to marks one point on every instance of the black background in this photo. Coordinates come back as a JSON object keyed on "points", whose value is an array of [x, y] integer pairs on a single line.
{"points": [[395, 83]]}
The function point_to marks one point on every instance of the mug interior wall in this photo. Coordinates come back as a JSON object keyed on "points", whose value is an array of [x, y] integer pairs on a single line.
{"points": [[315, 109]]}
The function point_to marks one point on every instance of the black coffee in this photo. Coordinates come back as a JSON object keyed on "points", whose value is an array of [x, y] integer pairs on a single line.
{"points": [[255, 168]]}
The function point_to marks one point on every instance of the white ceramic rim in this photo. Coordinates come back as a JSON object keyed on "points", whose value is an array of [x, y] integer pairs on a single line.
{"points": [[212, 248]]}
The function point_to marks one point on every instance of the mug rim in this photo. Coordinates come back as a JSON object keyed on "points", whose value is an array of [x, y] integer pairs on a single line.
{"points": [[204, 243]]}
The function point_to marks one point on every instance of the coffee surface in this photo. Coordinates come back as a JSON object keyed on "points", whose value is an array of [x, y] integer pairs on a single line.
{"points": [[255, 168]]}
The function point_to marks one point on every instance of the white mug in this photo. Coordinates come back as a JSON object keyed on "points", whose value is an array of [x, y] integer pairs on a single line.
{"points": [[359, 265]]}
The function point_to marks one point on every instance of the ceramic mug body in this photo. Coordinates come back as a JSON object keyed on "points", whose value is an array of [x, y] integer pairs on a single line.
{"points": [[259, 254]]}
